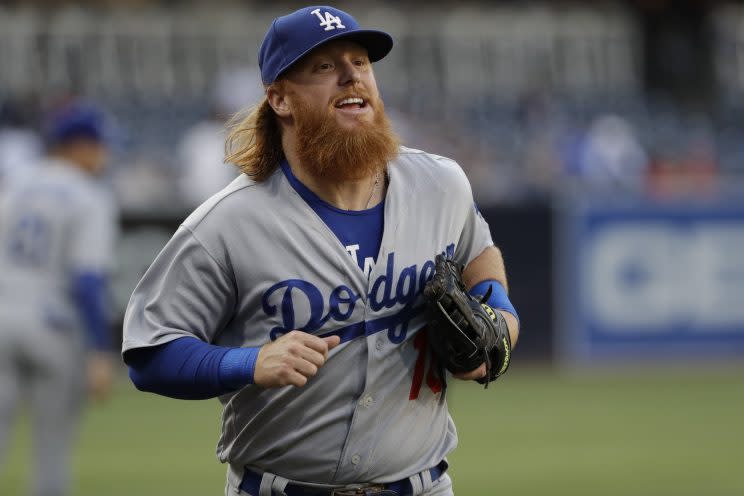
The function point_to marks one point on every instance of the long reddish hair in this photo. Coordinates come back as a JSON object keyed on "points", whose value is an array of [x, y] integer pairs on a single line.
{"points": [[254, 142]]}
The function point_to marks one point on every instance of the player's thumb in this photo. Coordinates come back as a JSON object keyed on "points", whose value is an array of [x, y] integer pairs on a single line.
{"points": [[332, 341]]}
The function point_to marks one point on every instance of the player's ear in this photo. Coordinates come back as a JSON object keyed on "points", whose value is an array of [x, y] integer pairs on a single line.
{"points": [[277, 98]]}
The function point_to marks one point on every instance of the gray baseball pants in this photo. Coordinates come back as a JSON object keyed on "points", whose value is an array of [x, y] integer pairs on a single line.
{"points": [[46, 369]]}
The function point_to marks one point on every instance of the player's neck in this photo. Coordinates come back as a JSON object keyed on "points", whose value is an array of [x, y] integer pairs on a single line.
{"points": [[76, 158], [347, 195]]}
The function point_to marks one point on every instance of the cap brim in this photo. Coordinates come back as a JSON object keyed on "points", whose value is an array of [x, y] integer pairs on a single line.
{"points": [[377, 43]]}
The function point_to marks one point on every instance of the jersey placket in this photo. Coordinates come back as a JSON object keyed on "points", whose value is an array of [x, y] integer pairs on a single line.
{"points": [[358, 447]]}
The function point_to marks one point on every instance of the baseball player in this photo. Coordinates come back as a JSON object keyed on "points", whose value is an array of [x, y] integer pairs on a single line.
{"points": [[295, 294], [56, 239]]}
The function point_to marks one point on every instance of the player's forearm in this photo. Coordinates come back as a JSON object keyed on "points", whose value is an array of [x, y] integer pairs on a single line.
{"points": [[489, 265], [486, 274], [188, 368]]}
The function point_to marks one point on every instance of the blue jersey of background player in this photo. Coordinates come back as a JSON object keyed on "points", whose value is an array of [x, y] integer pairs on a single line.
{"points": [[57, 232]]}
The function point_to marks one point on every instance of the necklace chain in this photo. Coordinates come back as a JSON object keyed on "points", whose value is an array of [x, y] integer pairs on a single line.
{"points": [[373, 188]]}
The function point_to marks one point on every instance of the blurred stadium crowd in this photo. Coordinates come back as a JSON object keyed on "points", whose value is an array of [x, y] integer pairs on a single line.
{"points": [[529, 97]]}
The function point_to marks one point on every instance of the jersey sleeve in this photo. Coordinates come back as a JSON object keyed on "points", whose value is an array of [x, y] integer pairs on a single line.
{"points": [[475, 235], [186, 292]]}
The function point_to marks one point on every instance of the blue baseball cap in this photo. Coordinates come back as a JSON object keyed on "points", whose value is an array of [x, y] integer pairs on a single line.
{"points": [[294, 35], [76, 121]]}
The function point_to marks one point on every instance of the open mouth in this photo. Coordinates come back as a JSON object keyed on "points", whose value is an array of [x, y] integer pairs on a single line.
{"points": [[351, 103]]}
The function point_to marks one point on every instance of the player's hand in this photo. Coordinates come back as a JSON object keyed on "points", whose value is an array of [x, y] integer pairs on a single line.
{"points": [[100, 373], [292, 359], [478, 373]]}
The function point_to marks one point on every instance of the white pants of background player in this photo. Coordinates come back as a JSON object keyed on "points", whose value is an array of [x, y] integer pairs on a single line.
{"points": [[46, 368]]}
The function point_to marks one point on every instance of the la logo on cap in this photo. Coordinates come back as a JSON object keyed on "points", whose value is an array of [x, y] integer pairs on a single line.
{"points": [[328, 20]]}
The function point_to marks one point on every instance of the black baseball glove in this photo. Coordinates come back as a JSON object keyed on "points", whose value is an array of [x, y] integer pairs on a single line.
{"points": [[463, 331]]}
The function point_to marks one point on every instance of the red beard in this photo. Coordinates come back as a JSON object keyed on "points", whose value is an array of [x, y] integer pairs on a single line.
{"points": [[329, 151]]}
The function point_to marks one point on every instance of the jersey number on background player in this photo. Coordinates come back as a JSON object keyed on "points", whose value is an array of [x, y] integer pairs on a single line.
{"points": [[29, 241]]}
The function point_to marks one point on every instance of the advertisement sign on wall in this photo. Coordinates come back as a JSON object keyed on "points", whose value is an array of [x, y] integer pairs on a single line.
{"points": [[651, 281]]}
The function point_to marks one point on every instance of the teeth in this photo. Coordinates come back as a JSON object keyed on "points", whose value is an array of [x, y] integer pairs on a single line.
{"points": [[348, 101]]}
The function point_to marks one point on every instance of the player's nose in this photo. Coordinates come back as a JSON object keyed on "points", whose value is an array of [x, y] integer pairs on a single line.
{"points": [[349, 73]]}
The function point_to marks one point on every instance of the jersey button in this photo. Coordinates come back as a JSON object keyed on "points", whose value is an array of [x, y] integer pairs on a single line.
{"points": [[368, 401], [355, 459], [379, 344]]}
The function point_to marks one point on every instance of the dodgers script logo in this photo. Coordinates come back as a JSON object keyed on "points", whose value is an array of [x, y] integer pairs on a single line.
{"points": [[328, 20], [386, 291]]}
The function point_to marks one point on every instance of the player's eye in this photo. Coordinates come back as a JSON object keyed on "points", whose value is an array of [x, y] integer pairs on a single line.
{"points": [[360, 62], [325, 66]]}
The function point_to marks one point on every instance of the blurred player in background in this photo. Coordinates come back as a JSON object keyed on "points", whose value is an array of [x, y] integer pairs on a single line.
{"points": [[201, 151], [57, 232], [295, 294]]}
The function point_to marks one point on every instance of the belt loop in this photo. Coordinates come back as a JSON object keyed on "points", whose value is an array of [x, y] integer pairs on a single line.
{"points": [[426, 480], [267, 481], [416, 487], [234, 478], [279, 484]]}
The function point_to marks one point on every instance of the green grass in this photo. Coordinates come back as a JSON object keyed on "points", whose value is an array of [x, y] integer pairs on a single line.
{"points": [[136, 444], [531, 433], [658, 433]]}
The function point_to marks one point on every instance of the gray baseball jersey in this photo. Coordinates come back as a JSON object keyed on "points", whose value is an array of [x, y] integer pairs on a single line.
{"points": [[255, 262]]}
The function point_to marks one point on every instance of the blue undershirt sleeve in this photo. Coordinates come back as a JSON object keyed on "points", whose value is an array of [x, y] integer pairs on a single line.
{"points": [[89, 292], [188, 368]]}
